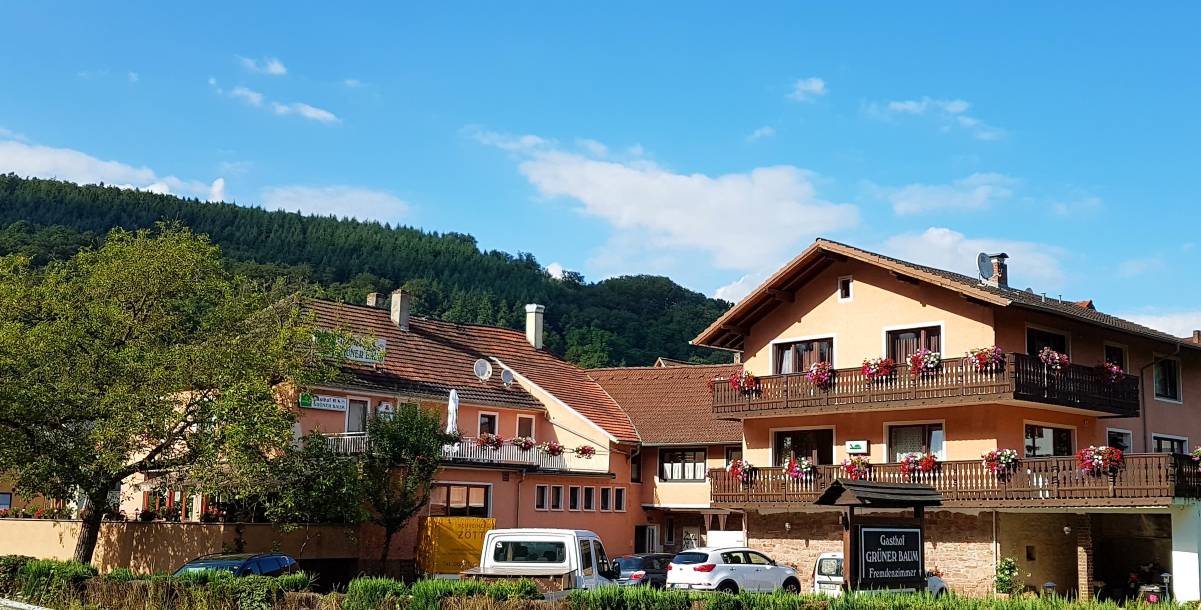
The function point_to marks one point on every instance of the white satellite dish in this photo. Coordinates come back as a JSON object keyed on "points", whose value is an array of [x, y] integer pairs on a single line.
{"points": [[984, 263], [483, 369], [506, 377]]}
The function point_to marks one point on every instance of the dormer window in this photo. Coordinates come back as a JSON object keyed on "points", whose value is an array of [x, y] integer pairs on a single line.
{"points": [[845, 289]]}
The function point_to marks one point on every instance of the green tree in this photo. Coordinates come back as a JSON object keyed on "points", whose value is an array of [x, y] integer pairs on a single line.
{"points": [[141, 356], [403, 453]]}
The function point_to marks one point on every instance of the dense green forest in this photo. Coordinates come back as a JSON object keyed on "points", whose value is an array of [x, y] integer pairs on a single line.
{"points": [[620, 321]]}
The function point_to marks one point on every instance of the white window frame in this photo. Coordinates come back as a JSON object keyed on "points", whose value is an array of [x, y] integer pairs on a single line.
{"points": [[491, 503], [533, 425], [600, 506], [1129, 433], [659, 465], [942, 335], [625, 499], [546, 506], [579, 496], [771, 440], [1125, 353], [833, 337], [584, 504], [366, 413], [1179, 400], [550, 500], [1173, 437], [1059, 331], [920, 422], [478, 424], [850, 288], [1047, 424]]}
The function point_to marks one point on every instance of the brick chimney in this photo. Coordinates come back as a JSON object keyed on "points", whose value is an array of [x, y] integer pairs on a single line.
{"points": [[533, 324], [400, 309], [1000, 270], [374, 299]]}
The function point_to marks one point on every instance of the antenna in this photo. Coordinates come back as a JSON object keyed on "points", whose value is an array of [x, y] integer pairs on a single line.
{"points": [[984, 265], [506, 377], [483, 369]]}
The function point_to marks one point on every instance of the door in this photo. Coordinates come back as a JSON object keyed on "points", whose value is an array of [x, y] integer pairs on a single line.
{"points": [[767, 576], [652, 539], [356, 416], [603, 569], [803, 443], [587, 565], [692, 537], [799, 356]]}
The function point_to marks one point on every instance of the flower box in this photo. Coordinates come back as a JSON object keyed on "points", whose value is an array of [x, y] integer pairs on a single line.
{"points": [[924, 362], [1001, 462], [523, 443], [490, 441], [988, 359], [821, 375], [878, 368], [1099, 461], [918, 462], [585, 451], [801, 469], [856, 467], [551, 448]]}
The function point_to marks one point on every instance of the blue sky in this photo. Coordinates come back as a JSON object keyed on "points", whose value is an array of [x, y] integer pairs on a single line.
{"points": [[694, 140]]}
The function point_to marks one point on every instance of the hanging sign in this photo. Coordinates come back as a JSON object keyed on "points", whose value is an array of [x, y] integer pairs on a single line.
{"points": [[384, 410], [325, 403], [890, 556]]}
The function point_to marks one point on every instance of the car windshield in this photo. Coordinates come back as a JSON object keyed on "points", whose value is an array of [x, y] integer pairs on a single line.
{"points": [[690, 558], [628, 564], [529, 551], [829, 567], [216, 565]]}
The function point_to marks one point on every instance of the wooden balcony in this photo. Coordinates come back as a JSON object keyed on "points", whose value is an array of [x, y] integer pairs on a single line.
{"points": [[1144, 479], [955, 382], [468, 452]]}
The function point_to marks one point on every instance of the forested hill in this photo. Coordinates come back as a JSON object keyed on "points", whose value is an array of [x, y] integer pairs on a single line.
{"points": [[621, 321]]}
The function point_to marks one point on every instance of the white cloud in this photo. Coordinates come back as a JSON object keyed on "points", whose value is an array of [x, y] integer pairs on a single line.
{"points": [[739, 288], [556, 270], [312, 113], [807, 89], [267, 65], [26, 159], [761, 133], [217, 190], [1134, 267], [353, 83], [1030, 262], [1181, 323], [975, 192], [133, 77], [523, 143], [594, 148], [1086, 204], [949, 113], [742, 220], [254, 98], [337, 200]]}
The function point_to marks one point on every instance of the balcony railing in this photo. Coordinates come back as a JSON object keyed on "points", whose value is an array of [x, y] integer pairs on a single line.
{"points": [[468, 451], [1143, 478], [955, 381]]}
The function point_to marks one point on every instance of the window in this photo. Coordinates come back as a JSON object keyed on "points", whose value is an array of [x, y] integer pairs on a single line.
{"points": [[460, 500], [905, 342], [606, 497], [669, 531], [1122, 439], [682, 464], [844, 288], [798, 356], [6, 501], [529, 551], [602, 559], [540, 496], [556, 497], [589, 498], [619, 499], [757, 559], [525, 426], [907, 439], [356, 415], [1169, 444], [1167, 379], [1037, 339], [1045, 441], [586, 558], [733, 453], [487, 423], [803, 443], [1116, 354], [636, 467], [573, 498]]}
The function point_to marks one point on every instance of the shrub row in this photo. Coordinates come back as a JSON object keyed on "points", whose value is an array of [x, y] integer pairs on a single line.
{"points": [[616, 598]]}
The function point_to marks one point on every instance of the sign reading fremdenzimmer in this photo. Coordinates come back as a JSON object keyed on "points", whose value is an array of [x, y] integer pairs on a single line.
{"points": [[327, 403], [890, 556]]}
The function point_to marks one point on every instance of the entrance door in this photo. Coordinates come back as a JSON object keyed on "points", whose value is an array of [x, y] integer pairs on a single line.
{"points": [[652, 539], [803, 443], [642, 539]]}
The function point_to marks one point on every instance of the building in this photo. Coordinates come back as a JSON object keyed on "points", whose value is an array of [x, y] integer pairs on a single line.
{"points": [[839, 306]]}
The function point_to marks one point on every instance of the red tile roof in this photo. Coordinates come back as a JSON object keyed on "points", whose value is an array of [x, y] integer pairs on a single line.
{"points": [[671, 405], [437, 356]]}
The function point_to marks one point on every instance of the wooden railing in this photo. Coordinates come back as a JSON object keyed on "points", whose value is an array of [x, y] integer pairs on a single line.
{"points": [[1036, 481], [955, 381], [468, 451]]}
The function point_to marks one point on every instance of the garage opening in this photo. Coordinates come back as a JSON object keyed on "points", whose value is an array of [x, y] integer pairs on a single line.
{"points": [[1132, 552]]}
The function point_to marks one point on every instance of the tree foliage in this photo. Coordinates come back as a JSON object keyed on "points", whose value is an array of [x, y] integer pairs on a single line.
{"points": [[450, 276], [141, 356]]}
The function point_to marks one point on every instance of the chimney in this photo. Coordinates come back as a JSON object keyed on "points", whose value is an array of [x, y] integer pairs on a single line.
{"points": [[374, 299], [1000, 270], [1197, 336], [400, 309], [533, 324]]}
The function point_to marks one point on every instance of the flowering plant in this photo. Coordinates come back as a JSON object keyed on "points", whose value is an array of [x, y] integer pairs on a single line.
{"points": [[1000, 461], [924, 361], [820, 374], [585, 451], [1197, 456], [740, 469], [1054, 360], [856, 467], [1099, 460], [745, 383], [1112, 372], [990, 358], [876, 368], [212, 515], [491, 441], [800, 468], [551, 448], [918, 461], [523, 443]]}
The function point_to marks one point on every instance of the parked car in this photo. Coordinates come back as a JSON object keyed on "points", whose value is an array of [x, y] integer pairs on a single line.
{"points": [[730, 569], [242, 564], [827, 576], [546, 556], [646, 569]]}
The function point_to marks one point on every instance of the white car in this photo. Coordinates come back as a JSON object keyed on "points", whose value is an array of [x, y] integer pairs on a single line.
{"points": [[827, 577], [730, 570]]}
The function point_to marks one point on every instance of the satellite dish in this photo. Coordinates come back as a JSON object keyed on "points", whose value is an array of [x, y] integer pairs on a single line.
{"points": [[483, 369], [984, 263], [506, 377]]}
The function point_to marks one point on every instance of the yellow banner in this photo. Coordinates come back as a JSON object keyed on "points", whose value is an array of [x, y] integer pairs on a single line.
{"points": [[450, 545]]}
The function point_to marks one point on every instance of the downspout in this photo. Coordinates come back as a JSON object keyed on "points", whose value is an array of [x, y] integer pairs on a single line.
{"points": [[1142, 398]]}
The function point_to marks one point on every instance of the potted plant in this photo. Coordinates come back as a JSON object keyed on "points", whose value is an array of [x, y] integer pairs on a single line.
{"points": [[878, 368], [490, 441], [585, 451], [551, 448], [1001, 462], [1111, 372], [1054, 361], [523, 443], [147, 516], [821, 375], [745, 383], [923, 362], [740, 469], [918, 461], [856, 467], [988, 359], [801, 469], [1100, 460]]}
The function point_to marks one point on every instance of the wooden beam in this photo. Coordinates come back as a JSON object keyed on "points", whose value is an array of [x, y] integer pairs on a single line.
{"points": [[908, 279], [974, 300], [781, 295]]}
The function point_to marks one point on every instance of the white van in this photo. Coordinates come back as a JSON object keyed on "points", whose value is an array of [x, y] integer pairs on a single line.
{"points": [[577, 556], [827, 577]]}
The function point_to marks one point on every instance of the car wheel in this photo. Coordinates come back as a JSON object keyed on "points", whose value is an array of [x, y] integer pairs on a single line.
{"points": [[792, 586], [728, 586]]}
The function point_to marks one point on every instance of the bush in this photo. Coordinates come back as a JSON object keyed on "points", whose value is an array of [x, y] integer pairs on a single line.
{"points": [[631, 598], [49, 580], [295, 583], [10, 569], [369, 593], [120, 575], [1006, 579]]}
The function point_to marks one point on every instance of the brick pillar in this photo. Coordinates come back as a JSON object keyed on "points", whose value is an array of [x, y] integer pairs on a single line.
{"points": [[1082, 526]]}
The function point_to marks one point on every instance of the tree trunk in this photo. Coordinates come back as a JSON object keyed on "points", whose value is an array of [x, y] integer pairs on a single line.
{"points": [[383, 556], [89, 529]]}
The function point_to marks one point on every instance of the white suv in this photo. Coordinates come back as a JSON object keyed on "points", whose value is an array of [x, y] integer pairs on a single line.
{"points": [[729, 569]]}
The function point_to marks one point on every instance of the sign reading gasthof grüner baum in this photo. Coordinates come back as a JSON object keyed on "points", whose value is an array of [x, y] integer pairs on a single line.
{"points": [[327, 403], [890, 556]]}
